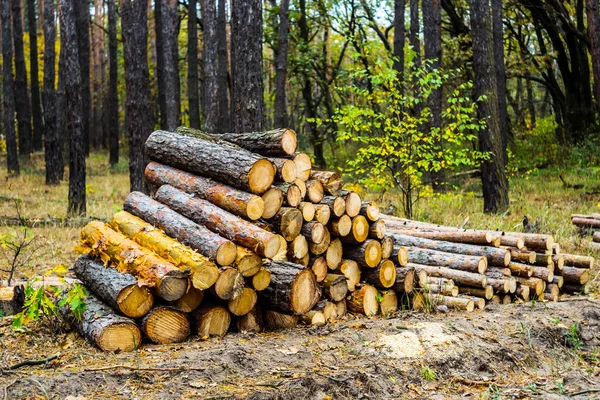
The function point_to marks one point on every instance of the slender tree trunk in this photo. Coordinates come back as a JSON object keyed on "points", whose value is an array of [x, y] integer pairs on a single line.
{"points": [[36, 105], [531, 104], [493, 176], [432, 34], [98, 137], [399, 6], [193, 64], [134, 18], [52, 141], [224, 122], [8, 116], [281, 60], [170, 28], [73, 107], [415, 24], [112, 103], [593, 18], [500, 71], [210, 109], [246, 61], [82, 21], [160, 62], [22, 103]]}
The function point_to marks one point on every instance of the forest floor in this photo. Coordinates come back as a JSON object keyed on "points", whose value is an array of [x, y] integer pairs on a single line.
{"points": [[534, 350]]}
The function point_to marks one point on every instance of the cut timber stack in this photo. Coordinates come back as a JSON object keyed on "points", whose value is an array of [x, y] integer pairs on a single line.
{"points": [[241, 234]]}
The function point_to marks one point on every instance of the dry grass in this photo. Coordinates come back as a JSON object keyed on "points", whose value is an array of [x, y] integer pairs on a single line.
{"points": [[541, 196]]}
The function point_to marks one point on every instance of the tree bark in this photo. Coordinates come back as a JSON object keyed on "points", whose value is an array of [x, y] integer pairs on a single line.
{"points": [[276, 142], [223, 96], [52, 141], [203, 272], [97, 134], [220, 221], [493, 175], [101, 241], [36, 104], [119, 290], [293, 289], [8, 88], [498, 38], [455, 261], [593, 18], [134, 19], [192, 59], [160, 61], [22, 101], [366, 254], [237, 167], [460, 277], [164, 325], [383, 276], [281, 61], [246, 62], [399, 35], [405, 280], [170, 27], [364, 301], [112, 103], [210, 62], [100, 324], [198, 237], [82, 26]]}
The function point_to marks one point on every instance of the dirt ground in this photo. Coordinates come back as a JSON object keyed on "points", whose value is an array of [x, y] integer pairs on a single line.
{"points": [[534, 350]]}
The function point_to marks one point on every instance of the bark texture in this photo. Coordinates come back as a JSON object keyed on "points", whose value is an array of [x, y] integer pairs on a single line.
{"points": [[192, 59], [281, 61], [112, 99], [210, 109], [8, 90], [36, 103], [223, 97], [82, 25], [293, 289], [593, 17], [22, 101]]}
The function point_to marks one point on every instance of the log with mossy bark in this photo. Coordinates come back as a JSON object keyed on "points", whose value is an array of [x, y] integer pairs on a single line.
{"points": [[366, 254], [186, 231], [203, 272], [459, 277], [332, 181], [121, 291], [237, 202], [363, 301], [383, 276], [293, 288], [495, 256], [102, 326], [276, 142], [210, 320], [239, 231], [99, 240], [335, 287], [273, 199], [439, 258], [164, 325], [212, 158]]}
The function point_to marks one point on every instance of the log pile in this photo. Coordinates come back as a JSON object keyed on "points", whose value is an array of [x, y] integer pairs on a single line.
{"points": [[588, 225], [241, 234]]}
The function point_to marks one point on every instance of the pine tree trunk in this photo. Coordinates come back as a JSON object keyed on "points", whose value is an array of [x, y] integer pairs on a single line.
{"points": [[23, 106], [281, 61], [52, 141], [498, 37], [82, 26], [112, 103], [170, 28], [493, 176], [593, 17], [210, 108], [160, 62], [8, 115], [97, 134], [399, 35], [36, 104], [134, 18], [192, 59], [246, 61], [72, 109], [293, 289], [223, 96]]}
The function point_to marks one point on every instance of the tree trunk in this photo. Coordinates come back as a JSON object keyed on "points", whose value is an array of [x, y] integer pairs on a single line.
{"points": [[405, 280], [119, 290], [52, 141], [164, 325], [399, 6], [82, 26], [170, 27], [192, 59], [211, 320], [72, 109], [383, 276], [101, 241], [335, 287], [364, 301], [210, 109], [459, 277], [455, 261], [203, 272], [23, 106], [498, 38], [593, 17], [276, 142], [8, 116], [251, 322], [281, 61], [244, 303], [198, 237], [237, 167], [160, 61], [493, 175], [99, 323], [36, 104], [134, 19], [366, 254], [220, 221], [223, 97], [97, 134], [293, 289], [468, 237], [246, 62], [112, 103], [233, 200]]}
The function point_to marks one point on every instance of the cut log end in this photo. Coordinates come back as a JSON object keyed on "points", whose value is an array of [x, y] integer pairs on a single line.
{"points": [[376, 230], [229, 285], [334, 253], [340, 226], [289, 142], [370, 210], [353, 204], [360, 229], [173, 286], [255, 208], [288, 172], [335, 287], [387, 247], [166, 325], [261, 280], [190, 301], [247, 262], [120, 337], [212, 321], [314, 191], [373, 253], [275, 320], [507, 258], [402, 256], [261, 176], [364, 301], [387, 273], [319, 268], [226, 254], [135, 301], [272, 246], [273, 200], [303, 166], [244, 303], [305, 292], [308, 210], [322, 213]]}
